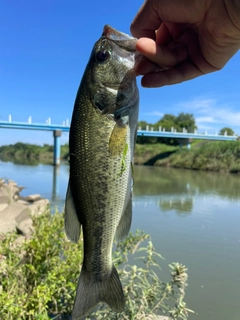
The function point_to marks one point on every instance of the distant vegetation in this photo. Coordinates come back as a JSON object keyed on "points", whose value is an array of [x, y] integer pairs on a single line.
{"points": [[168, 122], [227, 131], [30, 152]]}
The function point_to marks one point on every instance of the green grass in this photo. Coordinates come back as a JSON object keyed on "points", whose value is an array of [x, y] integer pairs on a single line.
{"points": [[149, 153], [30, 153], [211, 156], [38, 277]]}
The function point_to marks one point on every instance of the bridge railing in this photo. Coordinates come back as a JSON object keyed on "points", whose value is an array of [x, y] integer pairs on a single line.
{"points": [[57, 129], [185, 131]]}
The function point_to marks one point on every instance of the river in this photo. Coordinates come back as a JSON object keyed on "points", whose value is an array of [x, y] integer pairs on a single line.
{"points": [[193, 218]]}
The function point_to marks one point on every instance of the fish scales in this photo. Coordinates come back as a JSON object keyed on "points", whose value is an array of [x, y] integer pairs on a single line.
{"points": [[102, 139], [100, 192]]}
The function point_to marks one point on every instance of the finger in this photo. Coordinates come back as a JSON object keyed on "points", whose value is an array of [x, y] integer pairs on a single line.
{"points": [[146, 21], [195, 55], [183, 72], [160, 55], [145, 66], [153, 12], [163, 36]]}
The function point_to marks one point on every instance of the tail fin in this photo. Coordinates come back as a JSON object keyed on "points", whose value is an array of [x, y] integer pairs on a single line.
{"points": [[90, 292]]}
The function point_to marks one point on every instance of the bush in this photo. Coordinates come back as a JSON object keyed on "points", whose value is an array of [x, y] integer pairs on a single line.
{"points": [[38, 277]]}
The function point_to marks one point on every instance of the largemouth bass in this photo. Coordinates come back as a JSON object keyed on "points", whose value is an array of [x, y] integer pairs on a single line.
{"points": [[102, 138]]}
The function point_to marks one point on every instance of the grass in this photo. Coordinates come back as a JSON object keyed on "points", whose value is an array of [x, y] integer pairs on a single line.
{"points": [[210, 156], [148, 154], [38, 277]]}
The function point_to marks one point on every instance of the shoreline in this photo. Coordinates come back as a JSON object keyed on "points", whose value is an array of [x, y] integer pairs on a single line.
{"points": [[218, 156], [16, 211]]}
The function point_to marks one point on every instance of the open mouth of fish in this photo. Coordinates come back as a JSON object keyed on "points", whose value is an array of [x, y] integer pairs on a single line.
{"points": [[120, 38]]}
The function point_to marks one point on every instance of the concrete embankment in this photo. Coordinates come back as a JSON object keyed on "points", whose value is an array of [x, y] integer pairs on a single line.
{"points": [[16, 211]]}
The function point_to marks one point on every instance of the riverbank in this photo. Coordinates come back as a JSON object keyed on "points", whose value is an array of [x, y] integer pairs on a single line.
{"points": [[16, 211], [204, 155]]}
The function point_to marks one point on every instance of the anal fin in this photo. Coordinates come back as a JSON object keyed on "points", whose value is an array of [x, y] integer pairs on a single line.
{"points": [[125, 221], [71, 222]]}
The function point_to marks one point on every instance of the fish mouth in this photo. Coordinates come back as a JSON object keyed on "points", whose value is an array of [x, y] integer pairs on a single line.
{"points": [[114, 34], [120, 38]]}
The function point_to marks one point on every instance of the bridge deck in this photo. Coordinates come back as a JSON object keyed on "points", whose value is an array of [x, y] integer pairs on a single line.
{"points": [[145, 133]]}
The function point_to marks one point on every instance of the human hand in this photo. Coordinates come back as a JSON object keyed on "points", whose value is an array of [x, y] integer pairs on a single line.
{"points": [[184, 39]]}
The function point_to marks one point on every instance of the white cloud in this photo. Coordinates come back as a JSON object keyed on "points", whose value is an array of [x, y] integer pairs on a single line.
{"points": [[205, 119], [153, 113], [209, 111], [198, 104]]}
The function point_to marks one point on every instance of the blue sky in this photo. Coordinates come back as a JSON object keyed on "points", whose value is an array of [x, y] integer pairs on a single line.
{"points": [[45, 46]]}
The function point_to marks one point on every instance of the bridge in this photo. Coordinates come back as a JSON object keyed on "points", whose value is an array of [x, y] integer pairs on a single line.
{"points": [[57, 129]]}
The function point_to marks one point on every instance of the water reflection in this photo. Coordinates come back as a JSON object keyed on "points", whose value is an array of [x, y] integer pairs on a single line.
{"points": [[176, 190], [168, 181], [24, 161], [192, 216], [55, 183], [179, 205]]}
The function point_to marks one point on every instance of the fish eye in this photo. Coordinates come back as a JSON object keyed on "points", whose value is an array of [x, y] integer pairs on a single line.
{"points": [[102, 56]]}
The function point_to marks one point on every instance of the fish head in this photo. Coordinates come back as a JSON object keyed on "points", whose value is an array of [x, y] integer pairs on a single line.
{"points": [[112, 75]]}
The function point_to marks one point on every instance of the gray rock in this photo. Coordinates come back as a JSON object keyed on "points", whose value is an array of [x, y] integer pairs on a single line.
{"points": [[9, 190], [23, 202], [4, 198], [16, 197], [16, 213], [39, 207], [23, 215], [9, 214], [25, 227], [33, 198], [3, 206], [12, 183]]}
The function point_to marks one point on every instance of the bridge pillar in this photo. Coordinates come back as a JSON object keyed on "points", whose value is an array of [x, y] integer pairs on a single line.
{"points": [[56, 147], [185, 142]]}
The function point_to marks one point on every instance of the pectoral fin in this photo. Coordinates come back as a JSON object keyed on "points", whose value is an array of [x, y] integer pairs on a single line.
{"points": [[72, 224], [125, 222], [117, 140]]}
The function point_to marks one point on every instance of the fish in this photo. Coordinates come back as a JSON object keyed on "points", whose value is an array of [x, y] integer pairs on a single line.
{"points": [[101, 146]]}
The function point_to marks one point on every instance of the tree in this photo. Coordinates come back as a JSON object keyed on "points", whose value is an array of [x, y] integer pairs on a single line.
{"points": [[167, 122], [187, 121], [142, 125], [143, 139], [229, 131]]}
